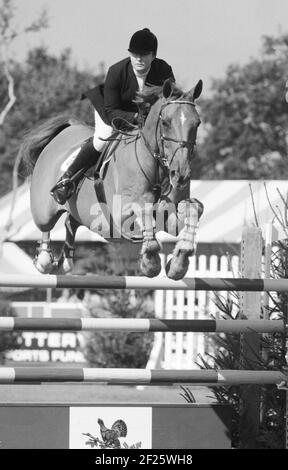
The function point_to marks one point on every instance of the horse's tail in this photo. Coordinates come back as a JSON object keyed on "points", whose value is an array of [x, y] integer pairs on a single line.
{"points": [[35, 141]]}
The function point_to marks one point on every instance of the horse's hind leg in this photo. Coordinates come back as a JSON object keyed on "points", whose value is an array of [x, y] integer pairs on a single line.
{"points": [[189, 213], [66, 259], [44, 259]]}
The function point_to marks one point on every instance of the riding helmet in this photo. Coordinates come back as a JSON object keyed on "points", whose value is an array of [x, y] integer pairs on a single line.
{"points": [[143, 42]]}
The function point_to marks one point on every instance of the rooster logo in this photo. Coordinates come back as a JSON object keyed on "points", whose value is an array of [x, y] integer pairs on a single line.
{"points": [[110, 437]]}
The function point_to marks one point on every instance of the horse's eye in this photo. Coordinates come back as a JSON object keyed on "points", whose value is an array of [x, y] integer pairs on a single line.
{"points": [[166, 123]]}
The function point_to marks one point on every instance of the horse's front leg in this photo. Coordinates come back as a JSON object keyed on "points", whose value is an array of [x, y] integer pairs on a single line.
{"points": [[150, 261], [188, 213]]}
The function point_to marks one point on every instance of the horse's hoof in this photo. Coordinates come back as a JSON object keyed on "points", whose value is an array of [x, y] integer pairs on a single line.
{"points": [[150, 248], [176, 268], [43, 269], [150, 265], [44, 262]]}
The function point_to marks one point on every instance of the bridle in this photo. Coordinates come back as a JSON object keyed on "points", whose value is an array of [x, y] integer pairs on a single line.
{"points": [[160, 155]]}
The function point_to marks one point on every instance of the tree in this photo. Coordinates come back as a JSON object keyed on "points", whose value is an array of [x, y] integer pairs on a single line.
{"points": [[246, 119], [9, 32], [117, 349], [45, 85]]}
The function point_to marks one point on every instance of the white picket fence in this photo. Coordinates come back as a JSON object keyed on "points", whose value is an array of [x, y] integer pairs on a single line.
{"points": [[182, 350]]}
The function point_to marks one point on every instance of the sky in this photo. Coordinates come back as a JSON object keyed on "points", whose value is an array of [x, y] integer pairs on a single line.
{"points": [[198, 38]]}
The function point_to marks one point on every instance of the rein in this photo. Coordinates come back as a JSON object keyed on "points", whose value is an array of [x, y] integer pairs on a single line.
{"points": [[122, 132], [159, 156]]}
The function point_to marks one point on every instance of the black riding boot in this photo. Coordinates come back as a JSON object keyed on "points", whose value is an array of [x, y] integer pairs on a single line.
{"points": [[65, 186]]}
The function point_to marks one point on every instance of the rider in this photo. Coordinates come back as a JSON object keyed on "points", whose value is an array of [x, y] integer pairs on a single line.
{"points": [[122, 82]]}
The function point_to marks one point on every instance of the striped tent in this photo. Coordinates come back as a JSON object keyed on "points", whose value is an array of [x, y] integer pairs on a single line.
{"points": [[23, 227], [228, 206], [13, 260]]}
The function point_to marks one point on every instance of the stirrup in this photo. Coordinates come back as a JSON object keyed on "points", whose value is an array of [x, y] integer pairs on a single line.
{"points": [[63, 190]]}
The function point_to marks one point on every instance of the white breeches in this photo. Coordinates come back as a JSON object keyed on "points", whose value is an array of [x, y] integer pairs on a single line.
{"points": [[102, 131]]}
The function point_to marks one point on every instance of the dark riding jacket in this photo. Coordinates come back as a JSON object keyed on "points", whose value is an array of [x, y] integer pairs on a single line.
{"points": [[120, 87]]}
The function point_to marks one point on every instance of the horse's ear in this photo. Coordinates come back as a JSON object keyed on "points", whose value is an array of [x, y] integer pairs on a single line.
{"points": [[168, 87], [196, 92]]}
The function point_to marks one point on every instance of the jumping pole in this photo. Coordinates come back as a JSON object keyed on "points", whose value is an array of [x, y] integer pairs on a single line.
{"points": [[138, 282]]}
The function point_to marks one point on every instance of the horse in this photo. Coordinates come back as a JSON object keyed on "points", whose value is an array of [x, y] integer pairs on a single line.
{"points": [[148, 173]]}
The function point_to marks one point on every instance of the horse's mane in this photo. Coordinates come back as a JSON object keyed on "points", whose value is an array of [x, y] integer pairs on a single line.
{"points": [[152, 93]]}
